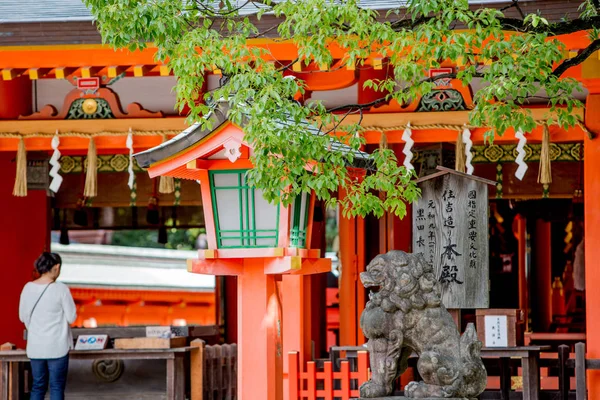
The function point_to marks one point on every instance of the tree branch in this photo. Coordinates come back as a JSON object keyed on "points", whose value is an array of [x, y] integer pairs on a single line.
{"points": [[557, 28], [578, 59]]}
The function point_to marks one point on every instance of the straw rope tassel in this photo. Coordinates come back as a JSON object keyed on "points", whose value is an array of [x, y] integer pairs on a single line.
{"points": [[383, 142], [167, 184], [460, 159], [20, 189], [91, 176], [545, 172]]}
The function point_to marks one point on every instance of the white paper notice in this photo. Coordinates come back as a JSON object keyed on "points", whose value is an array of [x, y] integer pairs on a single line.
{"points": [[91, 342], [496, 331]]}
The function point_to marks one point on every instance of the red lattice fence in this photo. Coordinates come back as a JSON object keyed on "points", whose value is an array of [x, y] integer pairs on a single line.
{"points": [[327, 384]]}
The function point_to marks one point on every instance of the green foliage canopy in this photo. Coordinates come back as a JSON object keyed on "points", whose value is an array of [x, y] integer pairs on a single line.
{"points": [[197, 36]]}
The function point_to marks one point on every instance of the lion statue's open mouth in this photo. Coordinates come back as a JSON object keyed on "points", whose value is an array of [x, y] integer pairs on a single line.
{"points": [[405, 314]]}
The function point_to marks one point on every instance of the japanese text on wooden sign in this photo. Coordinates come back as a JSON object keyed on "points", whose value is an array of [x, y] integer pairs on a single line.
{"points": [[450, 230]]}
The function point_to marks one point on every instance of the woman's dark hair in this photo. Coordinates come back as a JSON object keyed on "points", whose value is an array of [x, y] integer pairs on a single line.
{"points": [[46, 261]]}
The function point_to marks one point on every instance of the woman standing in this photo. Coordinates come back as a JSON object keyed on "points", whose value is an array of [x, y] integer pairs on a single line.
{"points": [[47, 309]]}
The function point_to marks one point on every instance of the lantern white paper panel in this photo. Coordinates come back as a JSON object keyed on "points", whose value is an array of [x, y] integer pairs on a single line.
{"points": [[228, 209], [245, 219], [267, 216]]}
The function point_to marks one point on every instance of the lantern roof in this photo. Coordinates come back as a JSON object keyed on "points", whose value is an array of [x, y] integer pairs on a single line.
{"points": [[444, 171], [217, 119]]}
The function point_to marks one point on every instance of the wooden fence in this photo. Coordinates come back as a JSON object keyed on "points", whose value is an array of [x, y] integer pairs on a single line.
{"points": [[325, 383], [220, 372]]}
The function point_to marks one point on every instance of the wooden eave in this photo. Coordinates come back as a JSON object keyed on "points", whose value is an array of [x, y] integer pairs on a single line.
{"points": [[18, 60], [110, 134]]}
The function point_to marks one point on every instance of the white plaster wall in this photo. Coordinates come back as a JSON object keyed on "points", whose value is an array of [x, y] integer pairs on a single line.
{"points": [[335, 98], [154, 93], [50, 91]]}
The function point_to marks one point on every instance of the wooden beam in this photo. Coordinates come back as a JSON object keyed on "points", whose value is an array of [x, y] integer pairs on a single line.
{"points": [[115, 70], [223, 267], [11, 73], [197, 370], [88, 72], [393, 124], [218, 164], [282, 265], [164, 70], [141, 70], [313, 266], [330, 80], [63, 72], [75, 143], [38, 73], [377, 63]]}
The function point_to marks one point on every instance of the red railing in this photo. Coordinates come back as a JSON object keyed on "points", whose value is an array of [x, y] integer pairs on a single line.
{"points": [[326, 384]]}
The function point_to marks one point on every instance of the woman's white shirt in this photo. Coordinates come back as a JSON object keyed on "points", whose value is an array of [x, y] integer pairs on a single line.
{"points": [[48, 329]]}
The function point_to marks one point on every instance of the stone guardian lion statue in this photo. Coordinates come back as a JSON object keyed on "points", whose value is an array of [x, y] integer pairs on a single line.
{"points": [[406, 315]]}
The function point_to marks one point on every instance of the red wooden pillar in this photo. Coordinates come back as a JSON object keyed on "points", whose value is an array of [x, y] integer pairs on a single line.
{"points": [[591, 193], [297, 323], [361, 265], [400, 234], [24, 234], [543, 273], [520, 229], [231, 314], [348, 280], [259, 354], [15, 97]]}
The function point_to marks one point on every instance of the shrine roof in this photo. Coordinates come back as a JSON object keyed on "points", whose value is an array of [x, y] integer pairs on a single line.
{"points": [[44, 11], [217, 117], [89, 265], [75, 10]]}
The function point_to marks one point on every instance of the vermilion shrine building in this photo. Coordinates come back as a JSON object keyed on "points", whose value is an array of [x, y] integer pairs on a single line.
{"points": [[58, 82]]}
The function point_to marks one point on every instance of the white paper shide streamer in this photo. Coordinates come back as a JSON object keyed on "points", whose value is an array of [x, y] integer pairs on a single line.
{"points": [[129, 144], [520, 160], [408, 144], [54, 171], [466, 137]]}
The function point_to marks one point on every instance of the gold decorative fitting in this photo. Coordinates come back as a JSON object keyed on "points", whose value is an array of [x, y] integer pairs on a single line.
{"points": [[89, 106]]}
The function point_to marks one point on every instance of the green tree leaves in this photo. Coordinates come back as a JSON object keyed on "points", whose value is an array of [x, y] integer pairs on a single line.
{"points": [[194, 37]]}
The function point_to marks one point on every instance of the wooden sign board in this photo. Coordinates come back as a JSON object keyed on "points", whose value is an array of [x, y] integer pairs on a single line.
{"points": [[150, 343], [450, 229], [91, 342]]}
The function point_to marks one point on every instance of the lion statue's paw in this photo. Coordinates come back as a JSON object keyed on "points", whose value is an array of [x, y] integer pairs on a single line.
{"points": [[371, 389], [421, 390]]}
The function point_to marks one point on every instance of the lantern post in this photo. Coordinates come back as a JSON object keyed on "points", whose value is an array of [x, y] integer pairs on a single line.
{"points": [[266, 246]]}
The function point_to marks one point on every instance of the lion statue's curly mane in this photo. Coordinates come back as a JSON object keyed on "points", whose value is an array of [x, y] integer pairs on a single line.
{"points": [[406, 315]]}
